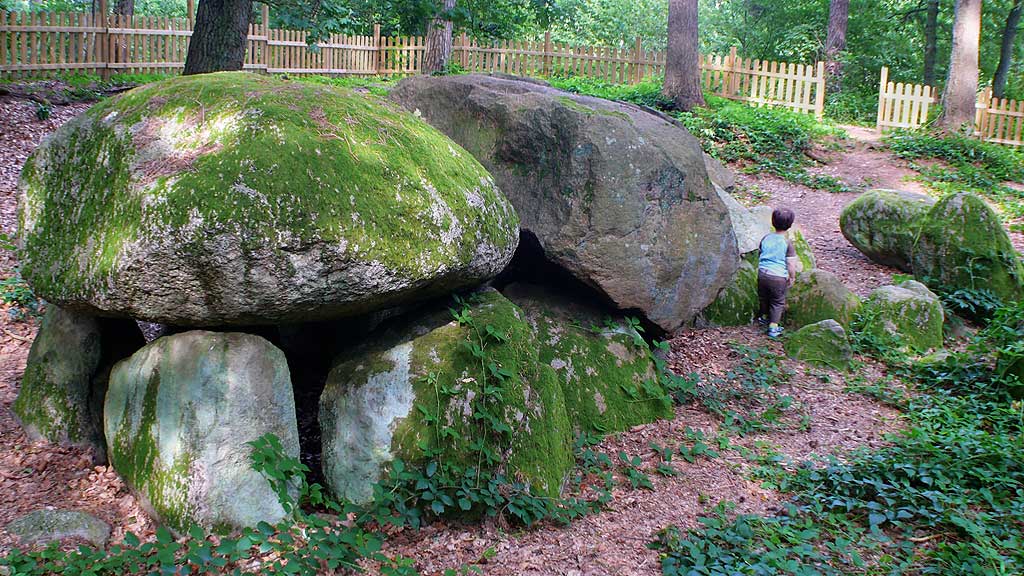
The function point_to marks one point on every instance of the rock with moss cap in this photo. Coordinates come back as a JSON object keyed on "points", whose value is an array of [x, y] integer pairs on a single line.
{"points": [[418, 383], [909, 314], [615, 195], [45, 526], [737, 304], [962, 244], [883, 224], [820, 295], [603, 364], [823, 344], [179, 415], [61, 395], [239, 199]]}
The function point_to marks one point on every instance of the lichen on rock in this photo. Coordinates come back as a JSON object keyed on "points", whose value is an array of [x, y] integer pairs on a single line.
{"points": [[178, 417], [415, 383], [603, 365], [237, 199], [962, 244], [821, 344], [908, 313], [884, 224], [820, 295]]}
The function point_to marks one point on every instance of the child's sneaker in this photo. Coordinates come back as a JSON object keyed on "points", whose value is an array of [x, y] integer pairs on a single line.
{"points": [[762, 321], [774, 331]]}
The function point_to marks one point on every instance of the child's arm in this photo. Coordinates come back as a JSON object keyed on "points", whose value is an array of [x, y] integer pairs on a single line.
{"points": [[791, 262]]}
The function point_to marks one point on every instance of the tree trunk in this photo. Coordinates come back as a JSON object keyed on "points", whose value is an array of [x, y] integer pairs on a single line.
{"points": [[124, 7], [218, 39], [438, 50], [682, 60], [961, 92], [1006, 52], [931, 28], [835, 43]]}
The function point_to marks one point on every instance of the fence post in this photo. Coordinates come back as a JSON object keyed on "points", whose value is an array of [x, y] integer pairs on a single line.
{"points": [[546, 72], [883, 81], [636, 60], [102, 41], [376, 49], [819, 100], [464, 52], [981, 112], [265, 51]]}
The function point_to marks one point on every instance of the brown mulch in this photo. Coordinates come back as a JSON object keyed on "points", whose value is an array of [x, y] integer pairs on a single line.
{"points": [[36, 475]]}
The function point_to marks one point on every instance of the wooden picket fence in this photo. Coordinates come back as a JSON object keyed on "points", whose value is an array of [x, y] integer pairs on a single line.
{"points": [[902, 105], [34, 44]]}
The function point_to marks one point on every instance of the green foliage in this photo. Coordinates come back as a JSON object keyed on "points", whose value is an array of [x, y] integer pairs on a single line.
{"points": [[749, 544], [17, 294], [762, 139], [953, 478], [967, 164], [746, 398], [646, 93]]}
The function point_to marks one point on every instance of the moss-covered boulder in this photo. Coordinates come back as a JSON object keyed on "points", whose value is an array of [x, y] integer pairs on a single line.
{"points": [[418, 383], [737, 303], [605, 368], [820, 295], [909, 313], [43, 526], [822, 344], [962, 244], [883, 224], [65, 379], [240, 199], [617, 196], [178, 416]]}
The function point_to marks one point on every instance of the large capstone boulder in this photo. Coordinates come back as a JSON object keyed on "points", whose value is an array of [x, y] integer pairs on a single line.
{"points": [[962, 244], [883, 224], [179, 415], [615, 195], [821, 344], [820, 295], [61, 395], [418, 383], [605, 368], [909, 314], [240, 199]]}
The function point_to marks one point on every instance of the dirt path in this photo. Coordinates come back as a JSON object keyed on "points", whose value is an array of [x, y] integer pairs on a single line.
{"points": [[34, 475]]}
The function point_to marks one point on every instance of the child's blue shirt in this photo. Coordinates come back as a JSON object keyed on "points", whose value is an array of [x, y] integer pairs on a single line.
{"points": [[775, 248]]}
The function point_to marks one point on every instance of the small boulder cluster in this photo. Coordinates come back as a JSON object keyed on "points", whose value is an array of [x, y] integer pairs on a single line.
{"points": [[293, 249], [955, 243]]}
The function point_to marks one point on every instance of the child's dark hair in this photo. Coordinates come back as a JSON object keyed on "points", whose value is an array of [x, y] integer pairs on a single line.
{"points": [[782, 219]]}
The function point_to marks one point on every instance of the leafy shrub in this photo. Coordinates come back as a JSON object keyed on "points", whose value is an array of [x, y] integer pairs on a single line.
{"points": [[952, 479], [646, 93], [16, 293], [855, 107]]}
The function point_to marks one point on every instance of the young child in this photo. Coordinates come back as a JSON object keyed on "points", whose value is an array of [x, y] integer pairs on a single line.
{"points": [[776, 270]]}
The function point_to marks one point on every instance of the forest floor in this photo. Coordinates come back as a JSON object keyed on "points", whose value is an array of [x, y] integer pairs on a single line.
{"points": [[824, 418]]}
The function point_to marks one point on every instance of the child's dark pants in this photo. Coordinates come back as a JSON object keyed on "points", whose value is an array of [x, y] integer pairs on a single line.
{"points": [[771, 292]]}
